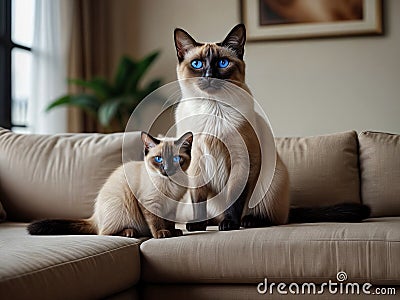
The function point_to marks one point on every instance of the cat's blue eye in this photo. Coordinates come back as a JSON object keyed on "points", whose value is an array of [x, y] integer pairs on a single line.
{"points": [[177, 158], [223, 63], [158, 159], [197, 64]]}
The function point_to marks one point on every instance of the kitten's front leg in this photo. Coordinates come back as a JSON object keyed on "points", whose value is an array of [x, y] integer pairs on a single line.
{"points": [[159, 227], [169, 232], [128, 232]]}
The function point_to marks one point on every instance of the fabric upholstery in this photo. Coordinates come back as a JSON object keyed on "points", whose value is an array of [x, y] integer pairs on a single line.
{"points": [[323, 170], [367, 252], [58, 176], [380, 172], [65, 267]]}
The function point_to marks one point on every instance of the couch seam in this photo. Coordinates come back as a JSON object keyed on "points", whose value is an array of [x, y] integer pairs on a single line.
{"points": [[300, 240], [70, 262]]}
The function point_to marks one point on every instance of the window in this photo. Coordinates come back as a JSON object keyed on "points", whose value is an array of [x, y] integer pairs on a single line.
{"points": [[16, 39]]}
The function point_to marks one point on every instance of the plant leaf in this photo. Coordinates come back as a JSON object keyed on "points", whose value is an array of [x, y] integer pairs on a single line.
{"points": [[98, 85], [108, 111], [141, 67], [85, 101], [125, 68]]}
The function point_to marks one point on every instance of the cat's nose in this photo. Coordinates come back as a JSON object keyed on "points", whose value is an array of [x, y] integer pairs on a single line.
{"points": [[168, 171], [208, 73], [171, 172]]}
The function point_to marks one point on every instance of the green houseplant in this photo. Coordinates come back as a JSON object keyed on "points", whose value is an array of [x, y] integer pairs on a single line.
{"points": [[111, 103]]}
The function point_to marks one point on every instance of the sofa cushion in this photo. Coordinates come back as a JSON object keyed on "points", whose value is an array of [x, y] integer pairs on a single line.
{"points": [[58, 176], [367, 252], [65, 267], [380, 172], [323, 170]]}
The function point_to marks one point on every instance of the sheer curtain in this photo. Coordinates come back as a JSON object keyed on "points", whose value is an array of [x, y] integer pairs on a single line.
{"points": [[75, 39], [50, 52]]}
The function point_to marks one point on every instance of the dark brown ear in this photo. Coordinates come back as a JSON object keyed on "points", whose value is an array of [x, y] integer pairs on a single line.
{"points": [[236, 39], [185, 140], [149, 141], [183, 43]]}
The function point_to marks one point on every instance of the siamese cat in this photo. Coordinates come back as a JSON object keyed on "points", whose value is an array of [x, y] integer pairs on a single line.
{"points": [[130, 205], [206, 62]]}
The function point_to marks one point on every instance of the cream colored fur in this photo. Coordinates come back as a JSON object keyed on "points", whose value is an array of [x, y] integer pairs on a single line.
{"points": [[117, 208], [225, 122], [136, 199]]}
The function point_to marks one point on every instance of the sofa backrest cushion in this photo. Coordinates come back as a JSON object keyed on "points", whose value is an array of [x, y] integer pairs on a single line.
{"points": [[380, 172], [323, 170], [58, 176]]}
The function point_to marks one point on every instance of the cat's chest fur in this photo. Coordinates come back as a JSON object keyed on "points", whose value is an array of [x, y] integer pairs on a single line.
{"points": [[207, 116], [216, 127]]}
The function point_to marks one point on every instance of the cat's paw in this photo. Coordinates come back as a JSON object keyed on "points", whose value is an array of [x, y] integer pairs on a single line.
{"points": [[128, 232], [227, 225], [250, 221], [176, 232], [196, 226], [162, 234]]}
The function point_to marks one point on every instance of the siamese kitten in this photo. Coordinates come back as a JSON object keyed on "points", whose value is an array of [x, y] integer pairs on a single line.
{"points": [[119, 211], [224, 60]]}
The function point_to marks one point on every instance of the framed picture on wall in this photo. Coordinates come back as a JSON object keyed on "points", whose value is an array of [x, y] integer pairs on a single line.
{"points": [[299, 19]]}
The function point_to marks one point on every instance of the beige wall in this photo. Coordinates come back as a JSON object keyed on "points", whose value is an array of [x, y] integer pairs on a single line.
{"points": [[306, 87]]}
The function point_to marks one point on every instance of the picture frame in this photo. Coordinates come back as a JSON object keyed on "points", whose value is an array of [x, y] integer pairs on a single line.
{"points": [[268, 20]]}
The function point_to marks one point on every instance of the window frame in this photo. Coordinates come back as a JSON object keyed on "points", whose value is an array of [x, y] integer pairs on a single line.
{"points": [[6, 48]]}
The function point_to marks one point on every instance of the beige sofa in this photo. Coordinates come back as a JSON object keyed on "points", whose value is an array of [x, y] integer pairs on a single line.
{"points": [[59, 176]]}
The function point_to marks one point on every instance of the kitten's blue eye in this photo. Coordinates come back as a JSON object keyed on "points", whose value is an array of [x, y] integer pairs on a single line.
{"points": [[177, 158], [197, 64], [223, 63], [158, 159]]}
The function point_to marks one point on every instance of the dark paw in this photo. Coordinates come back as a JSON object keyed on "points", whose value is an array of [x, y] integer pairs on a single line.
{"points": [[226, 225], [162, 234], [250, 221], [196, 226], [176, 232]]}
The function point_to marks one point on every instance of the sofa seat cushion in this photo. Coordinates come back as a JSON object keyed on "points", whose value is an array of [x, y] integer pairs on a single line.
{"points": [[367, 252], [65, 267]]}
